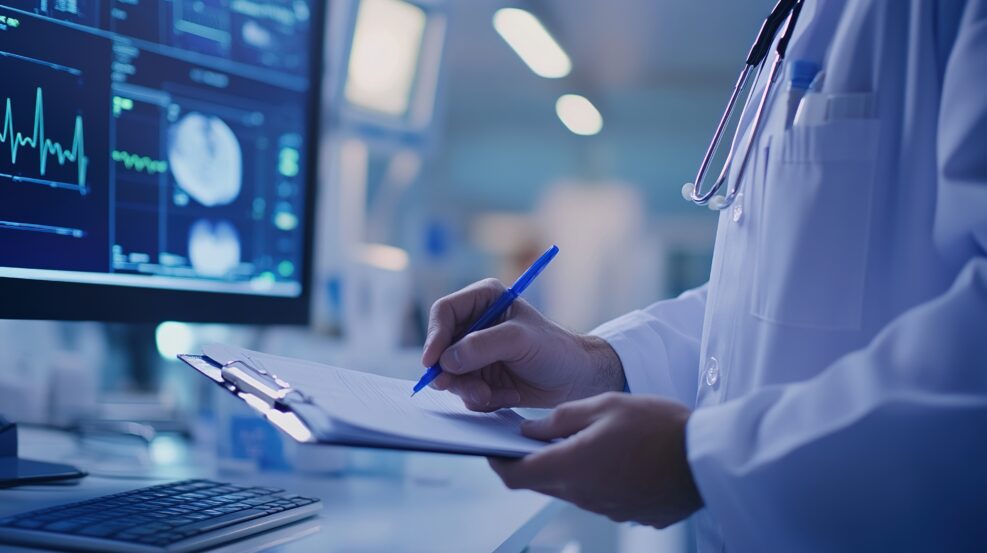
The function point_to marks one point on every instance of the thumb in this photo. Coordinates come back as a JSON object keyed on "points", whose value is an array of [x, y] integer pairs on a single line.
{"points": [[566, 420]]}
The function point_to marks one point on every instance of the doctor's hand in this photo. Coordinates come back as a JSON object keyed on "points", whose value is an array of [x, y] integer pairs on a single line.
{"points": [[524, 360], [623, 456]]}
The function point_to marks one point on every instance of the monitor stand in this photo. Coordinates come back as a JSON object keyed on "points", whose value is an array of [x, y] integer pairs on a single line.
{"points": [[15, 471]]}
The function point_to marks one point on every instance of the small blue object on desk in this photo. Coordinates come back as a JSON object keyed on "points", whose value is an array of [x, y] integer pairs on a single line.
{"points": [[495, 311]]}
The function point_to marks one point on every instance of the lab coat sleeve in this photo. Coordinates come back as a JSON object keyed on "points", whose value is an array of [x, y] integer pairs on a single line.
{"points": [[886, 449], [659, 346]]}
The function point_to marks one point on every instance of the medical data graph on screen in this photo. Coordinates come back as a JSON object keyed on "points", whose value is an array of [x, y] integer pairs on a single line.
{"points": [[155, 143]]}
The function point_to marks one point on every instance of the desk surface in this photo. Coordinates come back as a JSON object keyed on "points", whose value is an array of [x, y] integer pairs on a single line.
{"points": [[457, 504]]}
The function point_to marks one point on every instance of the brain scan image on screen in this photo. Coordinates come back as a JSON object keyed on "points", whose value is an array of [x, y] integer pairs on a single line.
{"points": [[213, 248], [205, 159]]}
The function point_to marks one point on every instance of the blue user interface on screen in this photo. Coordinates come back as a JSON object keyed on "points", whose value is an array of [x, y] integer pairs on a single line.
{"points": [[156, 143]]}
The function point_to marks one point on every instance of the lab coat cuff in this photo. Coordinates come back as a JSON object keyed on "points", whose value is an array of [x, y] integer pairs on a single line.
{"points": [[719, 440], [641, 351]]}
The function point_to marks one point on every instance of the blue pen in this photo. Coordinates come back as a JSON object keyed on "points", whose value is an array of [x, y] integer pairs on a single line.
{"points": [[495, 311]]}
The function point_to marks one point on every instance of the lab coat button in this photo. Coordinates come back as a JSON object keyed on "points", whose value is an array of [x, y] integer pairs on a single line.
{"points": [[712, 372], [738, 208]]}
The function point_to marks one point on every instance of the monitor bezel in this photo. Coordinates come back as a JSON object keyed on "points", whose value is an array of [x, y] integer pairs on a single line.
{"points": [[22, 298]]}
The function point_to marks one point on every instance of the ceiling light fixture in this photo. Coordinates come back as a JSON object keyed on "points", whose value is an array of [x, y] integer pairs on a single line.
{"points": [[579, 115], [524, 33]]}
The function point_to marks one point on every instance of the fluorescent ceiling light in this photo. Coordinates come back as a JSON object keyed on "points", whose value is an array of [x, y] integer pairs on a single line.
{"points": [[579, 115], [529, 38], [384, 56]]}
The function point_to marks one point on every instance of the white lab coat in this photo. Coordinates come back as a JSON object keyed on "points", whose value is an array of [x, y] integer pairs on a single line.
{"points": [[841, 342]]}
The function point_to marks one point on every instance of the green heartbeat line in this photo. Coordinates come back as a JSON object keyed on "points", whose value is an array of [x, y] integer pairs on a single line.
{"points": [[140, 163], [45, 147]]}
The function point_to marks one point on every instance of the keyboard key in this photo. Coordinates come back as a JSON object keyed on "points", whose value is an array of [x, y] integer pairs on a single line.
{"points": [[63, 526], [88, 519], [142, 531], [157, 526], [155, 540], [102, 530], [226, 520], [260, 500]]}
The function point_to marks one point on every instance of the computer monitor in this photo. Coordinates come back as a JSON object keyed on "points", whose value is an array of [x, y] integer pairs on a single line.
{"points": [[158, 158]]}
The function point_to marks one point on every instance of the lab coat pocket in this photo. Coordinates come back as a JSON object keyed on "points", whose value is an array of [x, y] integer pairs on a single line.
{"points": [[814, 229]]}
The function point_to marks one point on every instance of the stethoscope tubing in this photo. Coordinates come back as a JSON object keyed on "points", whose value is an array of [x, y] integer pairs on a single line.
{"points": [[694, 191]]}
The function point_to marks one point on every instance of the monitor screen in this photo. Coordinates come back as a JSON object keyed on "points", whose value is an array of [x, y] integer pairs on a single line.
{"points": [[158, 145]]}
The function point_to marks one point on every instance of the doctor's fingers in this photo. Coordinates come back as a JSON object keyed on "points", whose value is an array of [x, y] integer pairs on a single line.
{"points": [[567, 419], [506, 342], [470, 387], [454, 313], [545, 471], [478, 394]]}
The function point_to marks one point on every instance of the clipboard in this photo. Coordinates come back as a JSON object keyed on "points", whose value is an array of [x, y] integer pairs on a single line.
{"points": [[297, 414]]}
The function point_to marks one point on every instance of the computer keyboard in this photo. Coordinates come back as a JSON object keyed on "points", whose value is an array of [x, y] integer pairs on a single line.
{"points": [[177, 517]]}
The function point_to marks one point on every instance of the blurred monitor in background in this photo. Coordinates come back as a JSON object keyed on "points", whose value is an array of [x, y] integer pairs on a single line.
{"points": [[384, 56], [392, 70]]}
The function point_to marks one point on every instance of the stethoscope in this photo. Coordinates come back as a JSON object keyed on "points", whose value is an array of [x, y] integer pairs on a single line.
{"points": [[786, 11]]}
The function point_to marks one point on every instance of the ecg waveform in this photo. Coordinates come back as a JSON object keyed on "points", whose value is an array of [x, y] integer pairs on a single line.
{"points": [[140, 163], [46, 147]]}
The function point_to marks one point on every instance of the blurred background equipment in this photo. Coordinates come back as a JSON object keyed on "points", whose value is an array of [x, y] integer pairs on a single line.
{"points": [[458, 139]]}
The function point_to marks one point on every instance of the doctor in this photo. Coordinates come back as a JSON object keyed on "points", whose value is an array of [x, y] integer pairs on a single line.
{"points": [[826, 390]]}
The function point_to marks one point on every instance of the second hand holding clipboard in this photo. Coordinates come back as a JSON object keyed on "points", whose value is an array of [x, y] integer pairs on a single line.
{"points": [[317, 403]]}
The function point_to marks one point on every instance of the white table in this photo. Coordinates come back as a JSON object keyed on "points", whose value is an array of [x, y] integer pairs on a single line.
{"points": [[456, 504]]}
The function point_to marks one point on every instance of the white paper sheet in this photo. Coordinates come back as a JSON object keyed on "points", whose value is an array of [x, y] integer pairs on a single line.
{"points": [[384, 405]]}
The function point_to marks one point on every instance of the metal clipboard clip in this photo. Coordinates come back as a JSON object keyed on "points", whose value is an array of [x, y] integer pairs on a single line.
{"points": [[275, 392], [267, 394]]}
